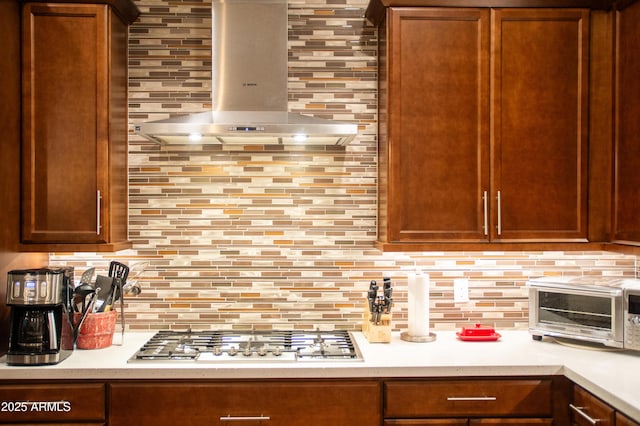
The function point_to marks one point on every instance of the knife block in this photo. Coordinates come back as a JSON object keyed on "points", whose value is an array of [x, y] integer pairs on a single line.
{"points": [[376, 333]]}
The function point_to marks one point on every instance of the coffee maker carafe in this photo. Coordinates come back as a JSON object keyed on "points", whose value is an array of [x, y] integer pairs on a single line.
{"points": [[41, 331]]}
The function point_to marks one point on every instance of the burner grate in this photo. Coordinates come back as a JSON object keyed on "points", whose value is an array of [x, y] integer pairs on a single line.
{"points": [[234, 346]]}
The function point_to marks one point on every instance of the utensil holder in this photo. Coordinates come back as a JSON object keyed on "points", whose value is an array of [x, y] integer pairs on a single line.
{"points": [[376, 333], [97, 329]]}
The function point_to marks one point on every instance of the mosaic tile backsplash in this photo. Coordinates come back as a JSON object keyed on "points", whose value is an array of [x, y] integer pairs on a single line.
{"points": [[282, 237]]}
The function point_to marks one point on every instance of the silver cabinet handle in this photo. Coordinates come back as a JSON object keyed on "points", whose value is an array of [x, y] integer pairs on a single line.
{"points": [[584, 415], [99, 226], [499, 213], [471, 398], [485, 226], [230, 418]]}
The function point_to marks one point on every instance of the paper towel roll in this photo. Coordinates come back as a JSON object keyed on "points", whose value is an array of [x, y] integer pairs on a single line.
{"points": [[418, 299]]}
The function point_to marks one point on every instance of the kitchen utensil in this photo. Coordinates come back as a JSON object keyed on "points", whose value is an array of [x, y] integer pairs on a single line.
{"points": [[478, 333], [87, 275], [86, 311], [120, 272], [81, 292], [107, 290]]}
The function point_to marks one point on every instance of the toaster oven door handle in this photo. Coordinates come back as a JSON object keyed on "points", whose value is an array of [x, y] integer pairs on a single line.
{"points": [[584, 415]]}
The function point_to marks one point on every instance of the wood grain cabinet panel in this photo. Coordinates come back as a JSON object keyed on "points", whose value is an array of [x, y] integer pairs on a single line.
{"points": [[626, 217], [74, 151], [472, 156], [251, 403], [48, 403], [622, 420], [539, 116], [586, 408], [468, 398], [437, 139]]}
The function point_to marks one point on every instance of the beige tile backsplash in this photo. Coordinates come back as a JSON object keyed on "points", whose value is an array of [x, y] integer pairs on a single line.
{"points": [[273, 237]]}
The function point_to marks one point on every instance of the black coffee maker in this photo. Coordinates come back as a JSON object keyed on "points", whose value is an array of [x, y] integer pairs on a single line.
{"points": [[41, 330]]}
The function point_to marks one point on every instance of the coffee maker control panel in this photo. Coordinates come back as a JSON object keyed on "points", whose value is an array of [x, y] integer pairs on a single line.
{"points": [[35, 287]]}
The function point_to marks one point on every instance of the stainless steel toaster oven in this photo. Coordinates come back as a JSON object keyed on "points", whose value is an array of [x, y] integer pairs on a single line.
{"points": [[602, 310]]}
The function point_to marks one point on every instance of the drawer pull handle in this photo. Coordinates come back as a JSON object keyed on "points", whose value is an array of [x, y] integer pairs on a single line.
{"points": [[98, 220], [230, 418], [485, 225], [584, 415], [471, 398]]}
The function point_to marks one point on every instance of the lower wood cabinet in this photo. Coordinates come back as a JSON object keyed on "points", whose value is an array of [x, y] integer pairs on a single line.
{"points": [[317, 402], [469, 422], [589, 410], [521, 402], [59, 404], [622, 420]]}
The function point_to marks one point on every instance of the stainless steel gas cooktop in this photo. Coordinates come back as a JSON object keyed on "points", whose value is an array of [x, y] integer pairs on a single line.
{"points": [[244, 346]]}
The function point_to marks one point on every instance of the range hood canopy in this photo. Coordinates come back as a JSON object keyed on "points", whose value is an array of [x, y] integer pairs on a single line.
{"points": [[249, 87]]}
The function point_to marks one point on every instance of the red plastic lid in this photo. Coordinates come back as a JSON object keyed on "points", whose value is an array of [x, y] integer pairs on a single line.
{"points": [[478, 330], [478, 333]]}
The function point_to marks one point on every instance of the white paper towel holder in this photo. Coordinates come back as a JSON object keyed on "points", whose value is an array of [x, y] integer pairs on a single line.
{"points": [[418, 339]]}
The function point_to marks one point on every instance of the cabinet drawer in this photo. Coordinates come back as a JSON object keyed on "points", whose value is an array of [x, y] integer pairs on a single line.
{"points": [[52, 403], [622, 420], [482, 398], [587, 407], [253, 402]]}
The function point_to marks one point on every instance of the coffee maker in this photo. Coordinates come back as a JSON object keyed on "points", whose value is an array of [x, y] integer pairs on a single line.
{"points": [[41, 330]]}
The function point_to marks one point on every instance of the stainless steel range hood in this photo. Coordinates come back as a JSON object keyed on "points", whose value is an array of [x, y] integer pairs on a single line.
{"points": [[249, 88]]}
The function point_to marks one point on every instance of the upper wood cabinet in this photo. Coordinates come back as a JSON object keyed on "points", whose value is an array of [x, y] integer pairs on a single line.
{"points": [[74, 115], [539, 118], [483, 126], [626, 202]]}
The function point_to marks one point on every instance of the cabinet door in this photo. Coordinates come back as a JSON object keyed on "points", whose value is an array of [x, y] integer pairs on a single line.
{"points": [[587, 410], [539, 124], [511, 422], [438, 130], [467, 398], [426, 422], [256, 402], [626, 220], [622, 420], [74, 124], [63, 403]]}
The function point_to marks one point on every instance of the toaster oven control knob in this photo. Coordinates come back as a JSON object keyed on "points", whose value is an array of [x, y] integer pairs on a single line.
{"points": [[635, 320]]}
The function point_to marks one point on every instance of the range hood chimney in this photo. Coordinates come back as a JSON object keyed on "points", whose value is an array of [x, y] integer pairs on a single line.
{"points": [[249, 88]]}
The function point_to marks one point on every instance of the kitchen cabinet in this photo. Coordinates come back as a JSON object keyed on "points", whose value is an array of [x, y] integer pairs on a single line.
{"points": [[468, 402], [586, 408], [288, 403], [483, 126], [626, 221], [74, 125], [77, 403], [622, 420]]}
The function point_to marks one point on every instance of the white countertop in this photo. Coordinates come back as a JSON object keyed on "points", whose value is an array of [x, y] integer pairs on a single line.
{"points": [[611, 375]]}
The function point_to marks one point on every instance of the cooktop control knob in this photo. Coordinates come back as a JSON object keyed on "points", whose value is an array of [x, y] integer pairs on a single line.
{"points": [[277, 352], [262, 351], [247, 352], [233, 351]]}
